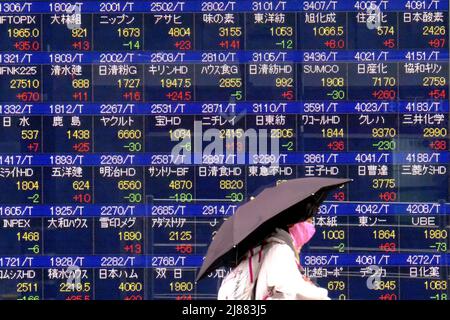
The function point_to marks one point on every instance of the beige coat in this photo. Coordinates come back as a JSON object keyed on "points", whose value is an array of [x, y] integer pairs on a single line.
{"points": [[279, 277]]}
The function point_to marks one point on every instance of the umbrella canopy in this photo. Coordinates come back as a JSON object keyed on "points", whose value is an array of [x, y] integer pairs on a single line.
{"points": [[279, 206]]}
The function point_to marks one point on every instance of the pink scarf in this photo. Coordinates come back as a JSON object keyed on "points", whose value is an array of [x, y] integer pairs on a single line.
{"points": [[302, 232]]}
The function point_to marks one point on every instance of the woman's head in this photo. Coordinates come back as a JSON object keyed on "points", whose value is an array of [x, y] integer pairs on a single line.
{"points": [[302, 231]]}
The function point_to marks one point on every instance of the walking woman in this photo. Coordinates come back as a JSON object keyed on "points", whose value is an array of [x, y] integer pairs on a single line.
{"points": [[262, 241], [272, 271]]}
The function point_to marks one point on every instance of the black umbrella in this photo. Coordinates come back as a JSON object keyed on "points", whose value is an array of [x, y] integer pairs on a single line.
{"points": [[288, 203]]}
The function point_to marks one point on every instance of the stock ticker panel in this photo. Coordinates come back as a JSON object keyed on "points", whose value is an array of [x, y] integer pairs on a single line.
{"points": [[110, 188]]}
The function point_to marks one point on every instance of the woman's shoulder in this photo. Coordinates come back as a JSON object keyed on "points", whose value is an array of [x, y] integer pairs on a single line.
{"points": [[280, 241], [279, 249]]}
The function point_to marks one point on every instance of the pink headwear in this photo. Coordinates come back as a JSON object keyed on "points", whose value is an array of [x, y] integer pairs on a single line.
{"points": [[302, 232]]}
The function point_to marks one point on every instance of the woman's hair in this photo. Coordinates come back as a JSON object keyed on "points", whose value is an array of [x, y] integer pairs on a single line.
{"points": [[308, 210], [311, 210]]}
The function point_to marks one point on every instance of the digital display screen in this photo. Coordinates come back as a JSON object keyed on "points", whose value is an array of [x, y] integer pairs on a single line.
{"points": [[129, 130]]}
